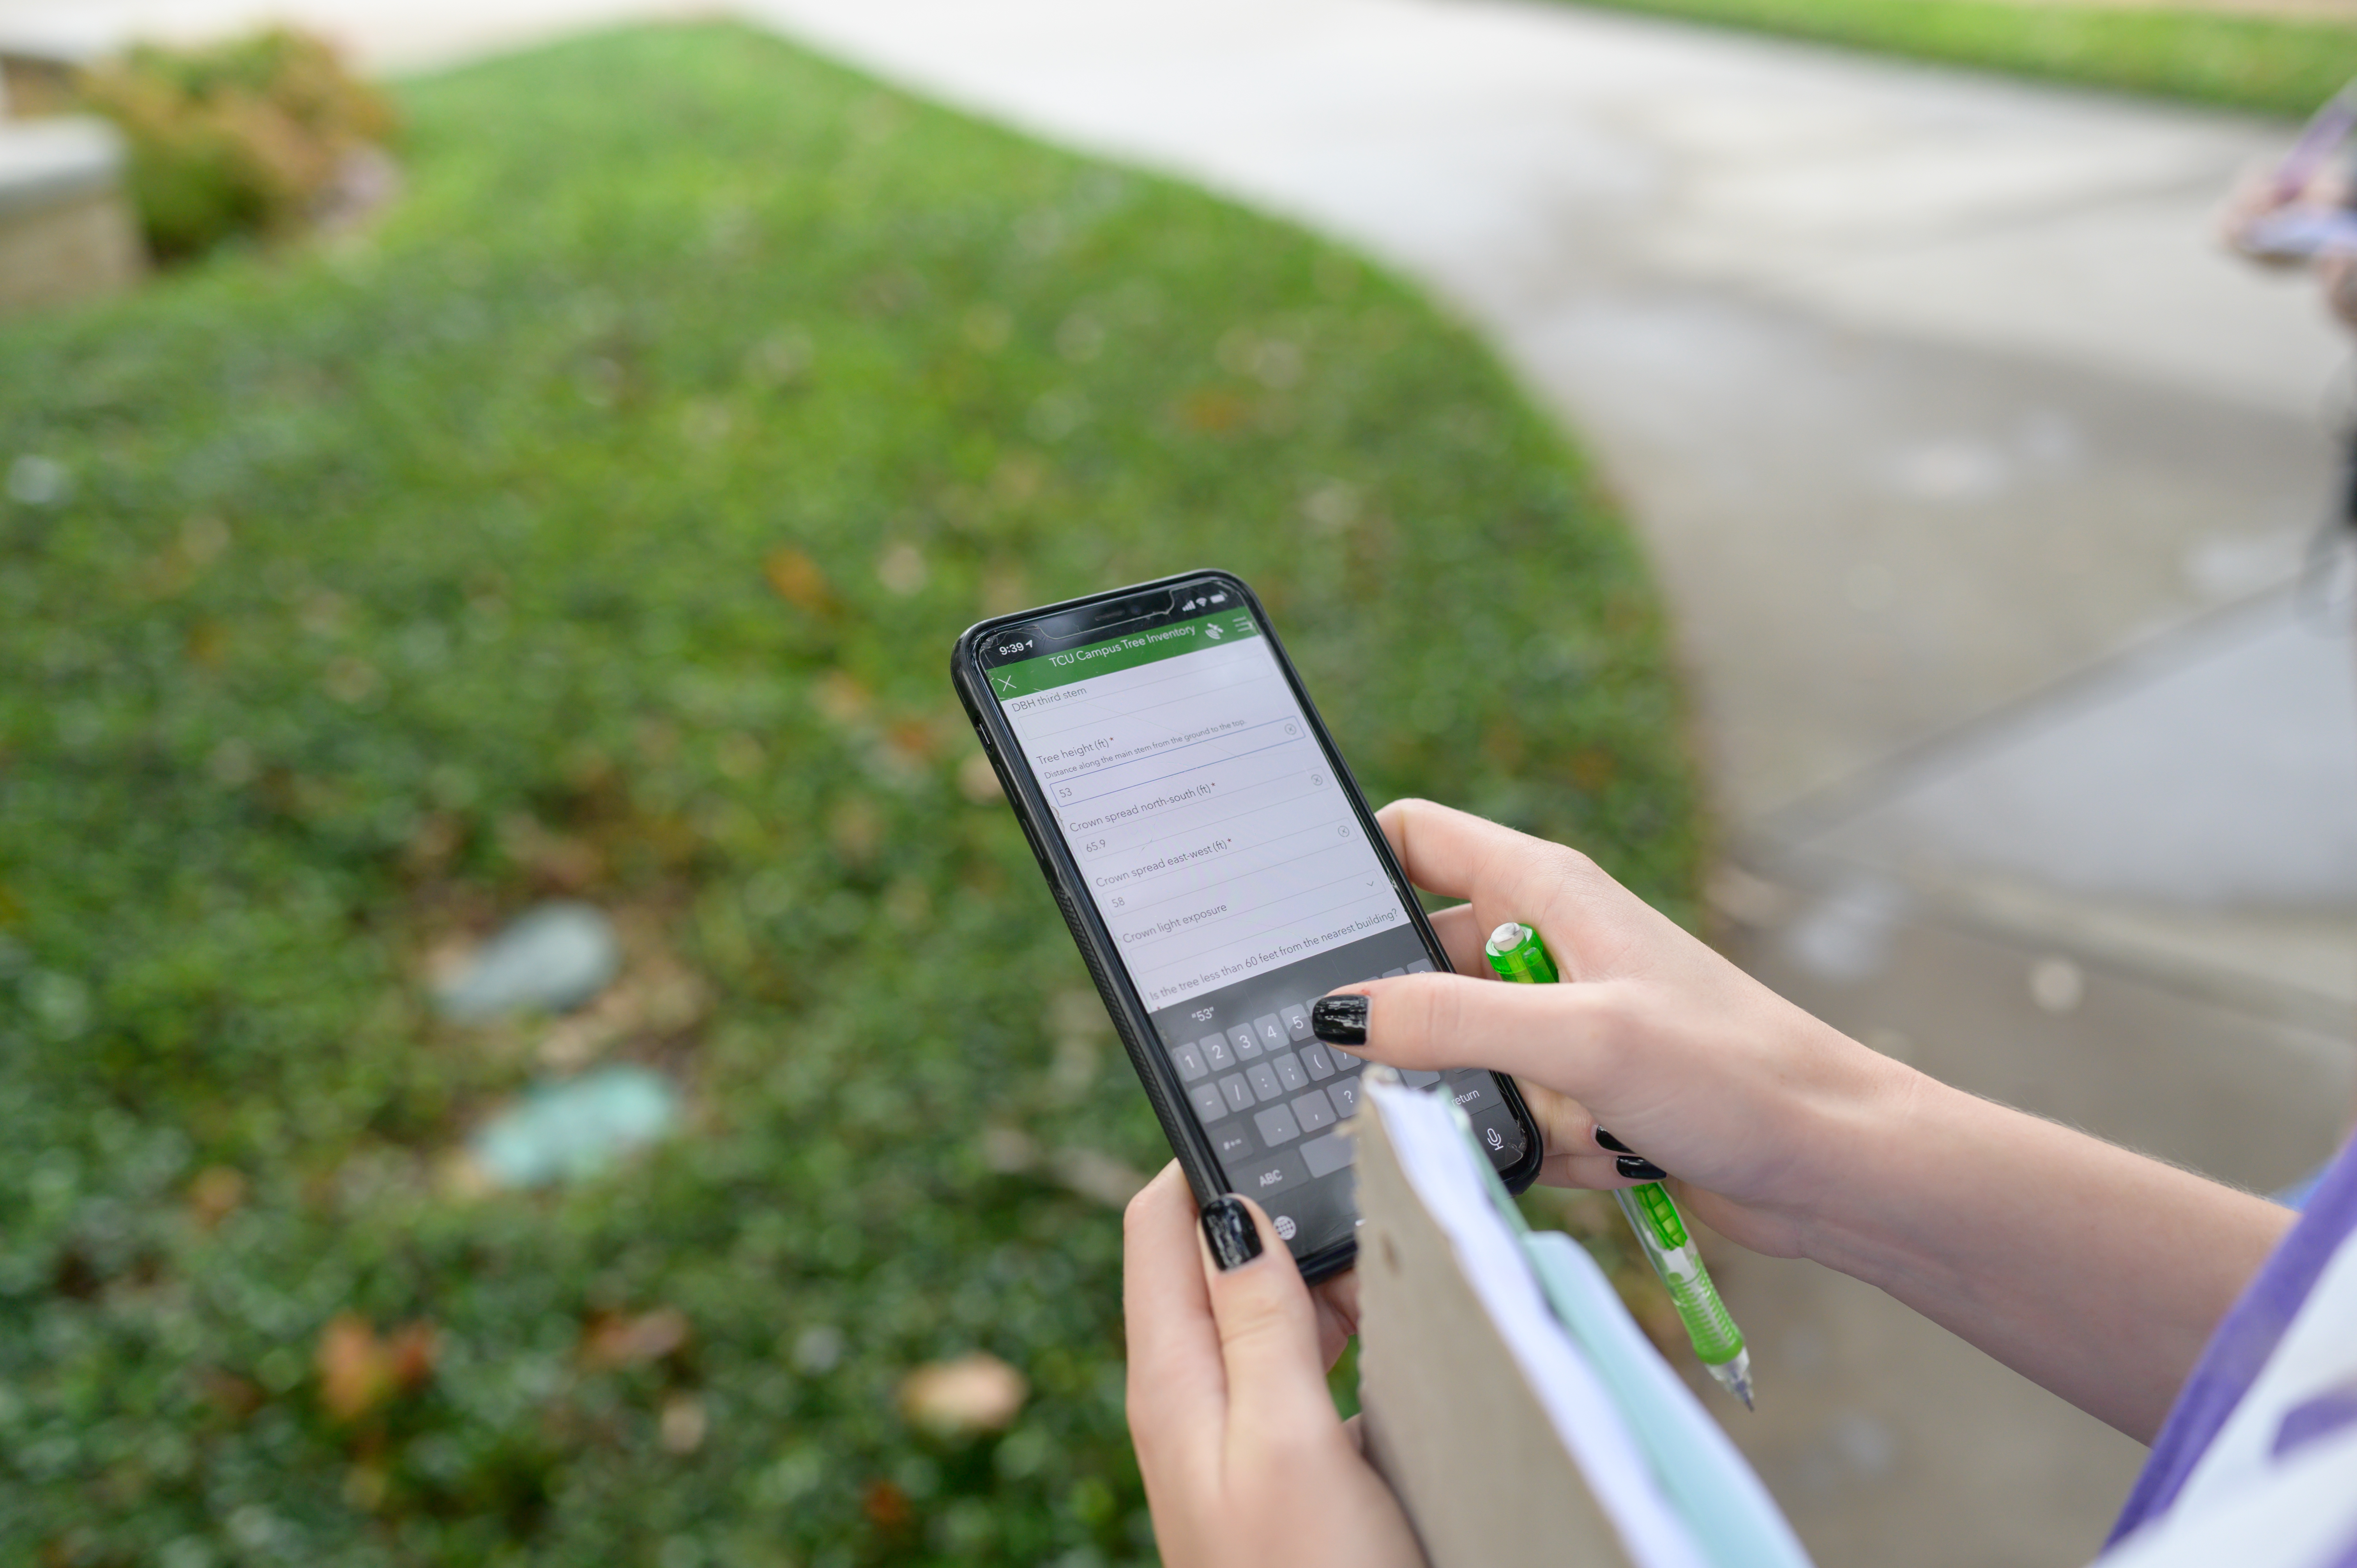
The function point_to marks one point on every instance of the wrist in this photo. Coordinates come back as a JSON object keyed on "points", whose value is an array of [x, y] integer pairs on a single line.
{"points": [[1866, 1139], [2095, 1272]]}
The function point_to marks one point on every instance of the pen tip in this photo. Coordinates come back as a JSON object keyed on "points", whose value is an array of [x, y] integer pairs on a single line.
{"points": [[1735, 1376]]}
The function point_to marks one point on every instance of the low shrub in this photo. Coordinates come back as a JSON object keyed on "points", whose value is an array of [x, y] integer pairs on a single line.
{"points": [[246, 137]]}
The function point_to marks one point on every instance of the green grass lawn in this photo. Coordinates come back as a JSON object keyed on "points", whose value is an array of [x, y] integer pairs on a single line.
{"points": [[598, 527], [2273, 64]]}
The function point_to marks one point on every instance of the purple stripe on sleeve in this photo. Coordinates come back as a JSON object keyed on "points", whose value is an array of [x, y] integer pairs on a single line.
{"points": [[2247, 1337], [2335, 1409]]}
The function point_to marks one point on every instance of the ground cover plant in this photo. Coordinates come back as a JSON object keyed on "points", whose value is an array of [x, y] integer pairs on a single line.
{"points": [[2275, 65], [597, 527], [243, 138]]}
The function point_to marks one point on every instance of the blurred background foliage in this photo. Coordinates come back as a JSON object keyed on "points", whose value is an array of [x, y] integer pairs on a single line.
{"points": [[2225, 53], [248, 137], [598, 525]]}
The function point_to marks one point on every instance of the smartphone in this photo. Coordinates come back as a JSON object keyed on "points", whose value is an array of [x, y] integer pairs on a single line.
{"points": [[1220, 872]]}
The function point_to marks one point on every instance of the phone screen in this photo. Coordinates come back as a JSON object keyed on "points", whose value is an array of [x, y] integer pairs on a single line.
{"points": [[1224, 854]]}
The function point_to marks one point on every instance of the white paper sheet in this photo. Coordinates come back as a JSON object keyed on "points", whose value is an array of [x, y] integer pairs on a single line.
{"points": [[1440, 1165]]}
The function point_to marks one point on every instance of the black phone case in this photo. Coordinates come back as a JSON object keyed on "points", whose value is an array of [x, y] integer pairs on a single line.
{"points": [[1091, 935]]}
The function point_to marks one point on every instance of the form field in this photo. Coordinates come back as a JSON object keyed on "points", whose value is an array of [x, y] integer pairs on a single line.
{"points": [[1208, 825]]}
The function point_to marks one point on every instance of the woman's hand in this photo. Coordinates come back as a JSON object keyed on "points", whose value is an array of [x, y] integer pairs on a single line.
{"points": [[1782, 1133], [1246, 1461], [1689, 1062]]}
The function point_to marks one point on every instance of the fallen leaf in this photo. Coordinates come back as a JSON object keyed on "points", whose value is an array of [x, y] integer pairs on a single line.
{"points": [[460, 1177], [365, 1485], [207, 643], [351, 679], [902, 569], [797, 579], [360, 1370], [1593, 768], [840, 697], [913, 740], [1213, 410], [1009, 1150], [411, 1353], [1098, 1175], [886, 1504], [438, 837], [616, 1339], [557, 861], [657, 994], [353, 1378], [1019, 477], [857, 829], [217, 1192], [234, 1396], [682, 1423], [973, 1393], [978, 781]]}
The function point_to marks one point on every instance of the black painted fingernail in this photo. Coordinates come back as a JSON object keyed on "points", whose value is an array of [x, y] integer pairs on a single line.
{"points": [[1637, 1167], [1339, 1020], [1228, 1226], [1611, 1142]]}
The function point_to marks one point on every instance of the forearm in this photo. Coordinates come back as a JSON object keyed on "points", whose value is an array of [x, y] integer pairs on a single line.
{"points": [[2096, 1273]]}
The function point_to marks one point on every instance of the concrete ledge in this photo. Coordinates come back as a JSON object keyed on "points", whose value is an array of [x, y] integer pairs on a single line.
{"points": [[65, 227], [43, 162]]}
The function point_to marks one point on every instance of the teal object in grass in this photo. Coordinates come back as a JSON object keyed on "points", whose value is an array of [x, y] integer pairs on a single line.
{"points": [[575, 1129]]}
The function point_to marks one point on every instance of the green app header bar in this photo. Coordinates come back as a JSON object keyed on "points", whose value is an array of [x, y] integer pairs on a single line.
{"points": [[1115, 653]]}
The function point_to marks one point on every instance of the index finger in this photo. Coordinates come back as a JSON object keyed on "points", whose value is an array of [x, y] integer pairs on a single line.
{"points": [[1459, 855], [1560, 1036], [1585, 916]]}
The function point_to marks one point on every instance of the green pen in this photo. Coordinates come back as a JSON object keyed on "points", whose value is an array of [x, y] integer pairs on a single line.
{"points": [[1516, 953]]}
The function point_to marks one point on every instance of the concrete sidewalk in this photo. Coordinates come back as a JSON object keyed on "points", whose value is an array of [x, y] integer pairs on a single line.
{"points": [[1926, 389], [1976, 477]]}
